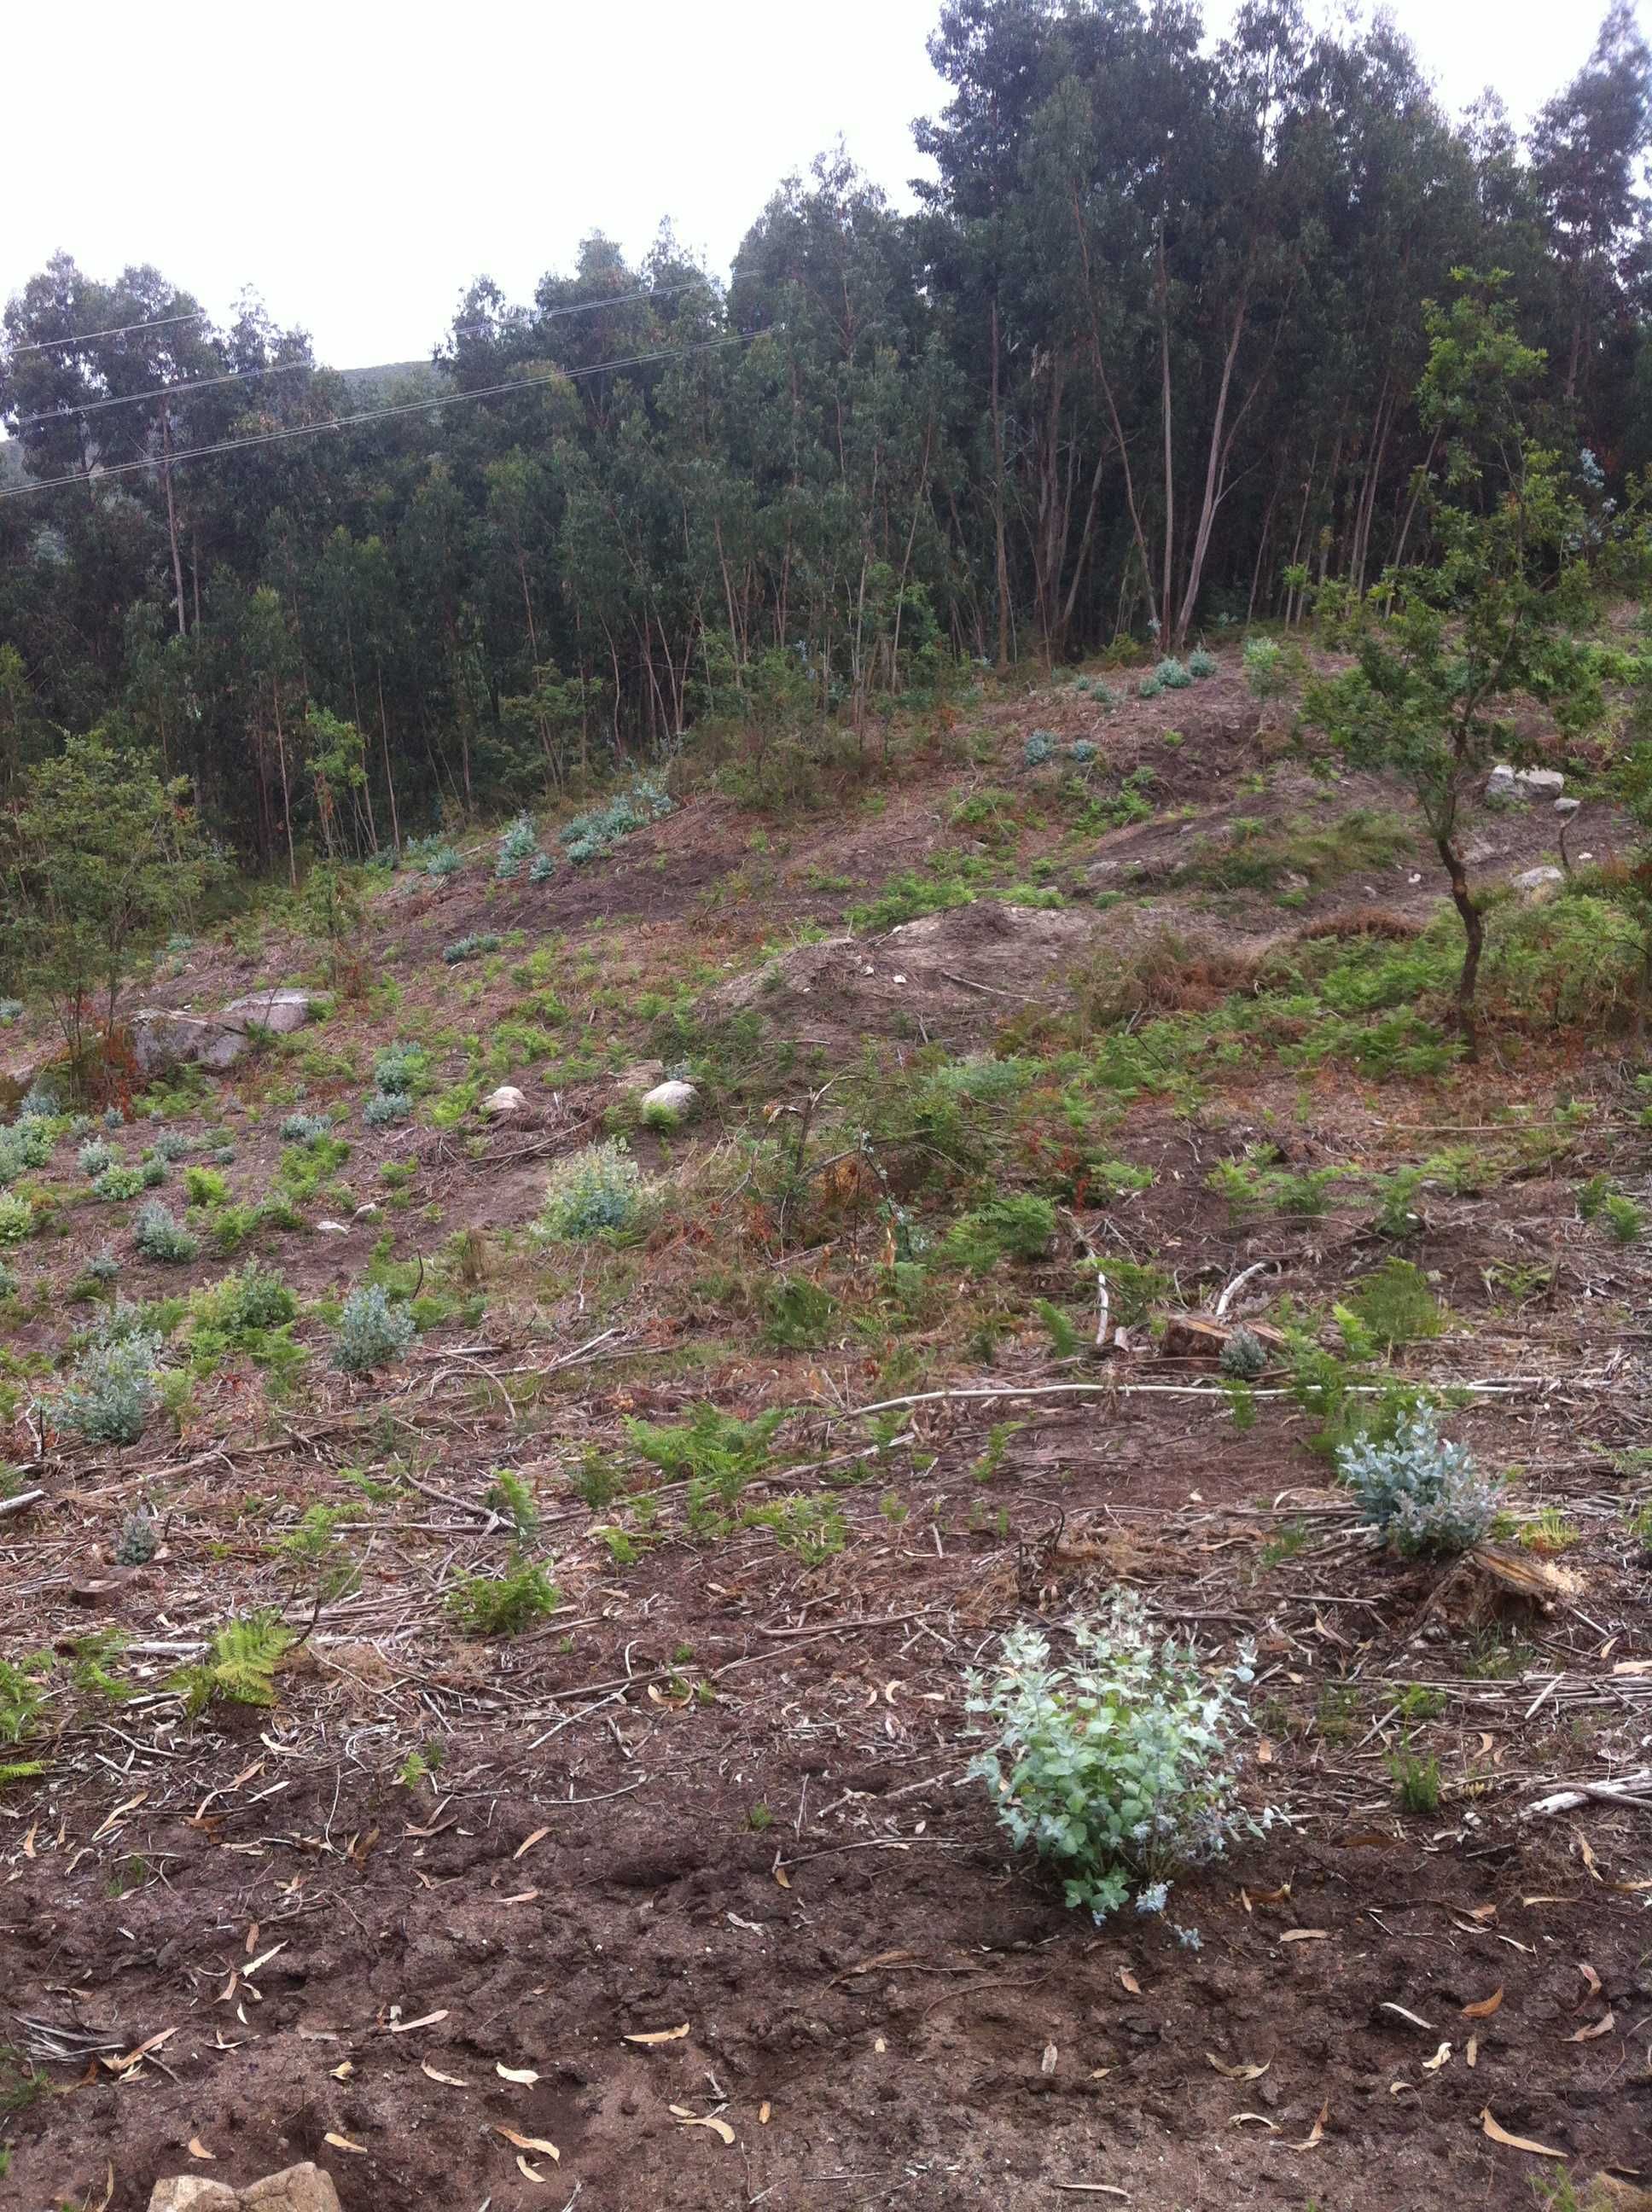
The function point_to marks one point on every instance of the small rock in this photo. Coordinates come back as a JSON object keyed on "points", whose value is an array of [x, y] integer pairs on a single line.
{"points": [[507, 1099], [1567, 807], [331, 1228], [1535, 884], [670, 1104], [367, 1212], [1540, 782], [298, 2189], [189, 2192]]}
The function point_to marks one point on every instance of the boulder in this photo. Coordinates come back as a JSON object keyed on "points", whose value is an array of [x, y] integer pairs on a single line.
{"points": [[299, 2188], [507, 1099], [1506, 782], [1567, 807], [1536, 884], [668, 1105], [163, 1039], [282, 1011], [192, 2192]]}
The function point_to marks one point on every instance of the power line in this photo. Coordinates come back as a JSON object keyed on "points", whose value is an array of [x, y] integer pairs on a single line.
{"points": [[115, 330], [237, 375], [160, 391], [373, 415]]}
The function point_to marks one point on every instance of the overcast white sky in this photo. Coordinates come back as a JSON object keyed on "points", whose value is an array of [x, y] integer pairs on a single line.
{"points": [[358, 166]]}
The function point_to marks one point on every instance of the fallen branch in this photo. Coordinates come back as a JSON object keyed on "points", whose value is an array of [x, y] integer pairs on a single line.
{"points": [[21, 1504], [1634, 1789], [1237, 1285]]}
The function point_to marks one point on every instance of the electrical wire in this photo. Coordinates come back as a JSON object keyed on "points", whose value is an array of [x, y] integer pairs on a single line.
{"points": [[115, 330], [287, 368], [373, 415]]}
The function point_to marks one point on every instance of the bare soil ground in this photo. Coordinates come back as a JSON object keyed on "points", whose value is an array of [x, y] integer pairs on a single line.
{"points": [[688, 1880]]}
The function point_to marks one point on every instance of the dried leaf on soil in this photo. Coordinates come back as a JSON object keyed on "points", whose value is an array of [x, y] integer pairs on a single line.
{"points": [[199, 2149], [1489, 2126], [528, 2142], [453, 2080], [1590, 1977], [1129, 1981], [1592, 2034], [1261, 2119], [528, 1842], [1316, 2133], [524, 2074], [1486, 2006], [661, 2035], [425, 2020], [1306, 1935], [1251, 2073], [688, 2119], [1441, 2057], [1415, 2018], [343, 2143]]}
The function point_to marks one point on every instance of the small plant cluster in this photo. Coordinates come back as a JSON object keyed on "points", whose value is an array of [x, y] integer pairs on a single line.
{"points": [[1118, 1767], [113, 1389], [1039, 750], [1421, 1492], [159, 1235], [16, 1219], [306, 1129], [598, 831], [372, 1332], [11, 1010], [25, 1145], [398, 1072], [1624, 1220], [470, 948], [1244, 1356], [240, 1668], [518, 848], [433, 856], [1017, 1228], [596, 1192], [1094, 688], [1267, 671]]}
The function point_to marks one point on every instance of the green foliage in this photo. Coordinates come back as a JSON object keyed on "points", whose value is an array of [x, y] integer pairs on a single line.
{"points": [[1171, 676], [1017, 1228], [16, 1219], [1201, 664], [501, 1605], [1243, 1356], [598, 831], [241, 1666], [1624, 1220], [100, 861], [1117, 1767], [205, 1187], [1392, 1306], [812, 1528], [1416, 1782], [113, 1389], [470, 948], [511, 1497], [1065, 1340], [138, 1540], [1267, 668], [1421, 1492], [517, 848], [161, 1236], [306, 1129], [372, 1333], [797, 1313], [402, 1071], [717, 1453], [318, 1555], [597, 1192]]}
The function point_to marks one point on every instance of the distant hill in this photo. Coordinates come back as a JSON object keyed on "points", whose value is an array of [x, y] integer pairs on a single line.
{"points": [[392, 372]]}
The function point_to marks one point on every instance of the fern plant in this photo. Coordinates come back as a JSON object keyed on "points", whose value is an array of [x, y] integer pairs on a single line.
{"points": [[502, 1605], [240, 1668]]}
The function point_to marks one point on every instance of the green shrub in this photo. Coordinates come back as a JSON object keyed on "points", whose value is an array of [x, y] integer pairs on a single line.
{"points": [[242, 1667], [1118, 1767], [401, 1070], [161, 1236], [1201, 664], [386, 1106], [306, 1129], [16, 1219], [516, 848], [116, 1184], [1018, 1228], [1172, 675], [797, 1313], [1624, 1220], [502, 1605], [1266, 669], [205, 1187], [1421, 1492], [371, 1333], [138, 1540], [470, 948], [94, 1156], [1416, 1782], [114, 1390], [1244, 1356], [1392, 1306], [717, 1453], [596, 1192]]}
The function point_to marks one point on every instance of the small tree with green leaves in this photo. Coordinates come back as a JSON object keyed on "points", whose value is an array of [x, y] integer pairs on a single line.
{"points": [[1440, 652], [101, 861]]}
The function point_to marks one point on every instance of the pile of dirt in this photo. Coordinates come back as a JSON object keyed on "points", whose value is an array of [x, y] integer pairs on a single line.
{"points": [[945, 978]]}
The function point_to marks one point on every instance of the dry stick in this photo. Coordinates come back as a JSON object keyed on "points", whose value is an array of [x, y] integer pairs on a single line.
{"points": [[1497, 1387], [21, 1504], [1634, 1789], [1237, 1285]]}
